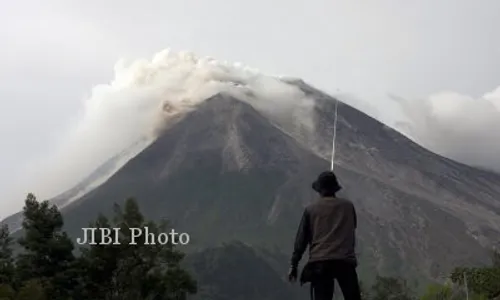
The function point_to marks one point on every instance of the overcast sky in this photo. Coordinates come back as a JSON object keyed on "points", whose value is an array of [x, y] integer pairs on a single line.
{"points": [[54, 52]]}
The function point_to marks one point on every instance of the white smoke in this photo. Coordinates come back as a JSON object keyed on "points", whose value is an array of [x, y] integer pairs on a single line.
{"points": [[457, 126], [146, 96]]}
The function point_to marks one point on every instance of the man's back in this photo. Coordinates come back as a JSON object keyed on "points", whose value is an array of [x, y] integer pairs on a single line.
{"points": [[332, 222]]}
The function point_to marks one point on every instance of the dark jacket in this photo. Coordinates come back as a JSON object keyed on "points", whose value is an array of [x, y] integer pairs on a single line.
{"points": [[328, 227]]}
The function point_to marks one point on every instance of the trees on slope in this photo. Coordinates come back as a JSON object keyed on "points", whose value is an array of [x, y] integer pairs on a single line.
{"points": [[485, 280], [6, 264], [46, 267], [450, 291], [133, 271], [47, 258], [483, 283]]}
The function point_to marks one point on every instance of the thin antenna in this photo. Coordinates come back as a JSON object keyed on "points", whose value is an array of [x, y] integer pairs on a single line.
{"points": [[334, 134]]}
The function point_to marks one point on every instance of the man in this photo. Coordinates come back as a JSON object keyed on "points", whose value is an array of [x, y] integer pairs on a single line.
{"points": [[328, 227]]}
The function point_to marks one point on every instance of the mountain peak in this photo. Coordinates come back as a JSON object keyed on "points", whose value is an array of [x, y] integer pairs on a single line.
{"points": [[225, 129]]}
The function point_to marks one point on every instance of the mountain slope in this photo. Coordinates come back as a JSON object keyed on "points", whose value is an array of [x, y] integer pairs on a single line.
{"points": [[229, 171], [236, 271]]}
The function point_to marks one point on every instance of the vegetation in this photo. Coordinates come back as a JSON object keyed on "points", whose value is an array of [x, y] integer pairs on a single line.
{"points": [[389, 288], [464, 283], [47, 268]]}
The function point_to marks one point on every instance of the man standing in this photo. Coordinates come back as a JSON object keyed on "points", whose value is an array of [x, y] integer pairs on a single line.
{"points": [[328, 227]]}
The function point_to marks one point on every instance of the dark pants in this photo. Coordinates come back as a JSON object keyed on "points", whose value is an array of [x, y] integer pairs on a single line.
{"points": [[342, 271]]}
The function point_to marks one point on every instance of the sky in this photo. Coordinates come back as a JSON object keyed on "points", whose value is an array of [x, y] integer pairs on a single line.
{"points": [[410, 63]]}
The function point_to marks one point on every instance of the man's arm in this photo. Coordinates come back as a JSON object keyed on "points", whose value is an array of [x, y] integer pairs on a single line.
{"points": [[302, 239]]}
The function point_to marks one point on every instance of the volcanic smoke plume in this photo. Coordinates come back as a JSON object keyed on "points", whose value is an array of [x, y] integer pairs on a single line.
{"points": [[145, 97]]}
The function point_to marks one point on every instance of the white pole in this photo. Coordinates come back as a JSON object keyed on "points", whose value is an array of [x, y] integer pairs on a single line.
{"points": [[334, 134]]}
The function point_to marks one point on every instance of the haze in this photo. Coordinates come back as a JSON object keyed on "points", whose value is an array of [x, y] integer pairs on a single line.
{"points": [[439, 58]]}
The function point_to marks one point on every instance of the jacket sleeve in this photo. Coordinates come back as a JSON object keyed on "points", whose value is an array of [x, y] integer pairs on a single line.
{"points": [[302, 239]]}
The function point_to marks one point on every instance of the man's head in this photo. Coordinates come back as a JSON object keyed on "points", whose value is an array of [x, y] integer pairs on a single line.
{"points": [[326, 184]]}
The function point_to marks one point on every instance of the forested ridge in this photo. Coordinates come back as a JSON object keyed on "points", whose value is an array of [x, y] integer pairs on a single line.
{"points": [[50, 266]]}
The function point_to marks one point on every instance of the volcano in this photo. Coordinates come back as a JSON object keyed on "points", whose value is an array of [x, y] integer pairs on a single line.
{"points": [[227, 171]]}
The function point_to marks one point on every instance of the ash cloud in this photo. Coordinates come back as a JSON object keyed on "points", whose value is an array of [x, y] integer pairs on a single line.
{"points": [[457, 126], [144, 98]]}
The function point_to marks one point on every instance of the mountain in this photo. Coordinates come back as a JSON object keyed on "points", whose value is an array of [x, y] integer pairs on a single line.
{"points": [[230, 171]]}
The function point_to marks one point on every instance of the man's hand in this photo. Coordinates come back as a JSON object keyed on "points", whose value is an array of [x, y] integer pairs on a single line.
{"points": [[292, 274]]}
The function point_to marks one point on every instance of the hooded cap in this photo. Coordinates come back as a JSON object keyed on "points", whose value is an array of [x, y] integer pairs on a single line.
{"points": [[326, 183]]}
